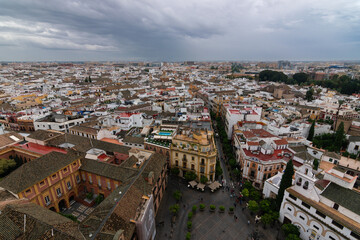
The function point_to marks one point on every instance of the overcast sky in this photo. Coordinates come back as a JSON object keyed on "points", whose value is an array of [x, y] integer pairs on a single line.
{"points": [[175, 30]]}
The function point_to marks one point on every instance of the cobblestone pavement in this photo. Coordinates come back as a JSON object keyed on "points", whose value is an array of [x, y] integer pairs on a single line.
{"points": [[206, 224]]}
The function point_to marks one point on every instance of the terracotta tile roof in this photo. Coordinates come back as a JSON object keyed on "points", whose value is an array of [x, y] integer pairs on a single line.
{"points": [[107, 170], [281, 142], [83, 129], [36, 170], [44, 135], [40, 223]]}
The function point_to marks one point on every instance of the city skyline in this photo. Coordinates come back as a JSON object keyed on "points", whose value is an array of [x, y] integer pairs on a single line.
{"points": [[178, 31]]}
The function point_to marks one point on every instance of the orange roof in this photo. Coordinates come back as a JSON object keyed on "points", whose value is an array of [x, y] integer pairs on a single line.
{"points": [[281, 142], [110, 140]]}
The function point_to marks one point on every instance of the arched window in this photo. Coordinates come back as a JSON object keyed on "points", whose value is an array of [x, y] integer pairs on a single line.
{"points": [[299, 181], [306, 185]]}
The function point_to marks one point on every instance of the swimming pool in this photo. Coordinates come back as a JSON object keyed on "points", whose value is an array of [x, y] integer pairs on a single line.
{"points": [[164, 133]]}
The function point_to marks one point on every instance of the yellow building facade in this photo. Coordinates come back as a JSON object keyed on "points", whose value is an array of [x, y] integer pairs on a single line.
{"points": [[194, 150]]}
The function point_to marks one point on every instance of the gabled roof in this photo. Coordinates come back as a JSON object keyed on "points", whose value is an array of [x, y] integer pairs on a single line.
{"points": [[36, 170], [346, 198], [40, 223]]}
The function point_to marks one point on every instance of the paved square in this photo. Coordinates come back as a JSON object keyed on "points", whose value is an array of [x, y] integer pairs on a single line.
{"points": [[205, 224]]}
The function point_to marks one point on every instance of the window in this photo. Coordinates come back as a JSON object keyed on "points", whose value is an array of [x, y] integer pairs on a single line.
{"points": [[306, 205], [292, 197], [259, 168], [58, 191], [108, 185], [252, 173], [77, 178], [330, 160], [337, 224], [265, 169], [269, 175], [47, 200], [336, 206], [192, 158], [90, 179], [316, 227], [42, 183], [28, 191], [99, 183], [83, 177], [54, 176], [65, 170], [74, 164], [176, 154], [68, 185], [355, 235], [277, 167], [302, 218], [320, 214], [202, 169], [247, 164], [270, 169], [331, 238], [289, 209], [192, 167], [176, 163], [356, 147]]}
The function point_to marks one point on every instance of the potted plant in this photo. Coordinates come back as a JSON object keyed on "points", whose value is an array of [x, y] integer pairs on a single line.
{"points": [[189, 225], [194, 208], [190, 215], [231, 210], [188, 235], [202, 207], [221, 209], [212, 208]]}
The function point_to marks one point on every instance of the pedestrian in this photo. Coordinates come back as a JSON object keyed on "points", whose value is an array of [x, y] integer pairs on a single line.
{"points": [[248, 222]]}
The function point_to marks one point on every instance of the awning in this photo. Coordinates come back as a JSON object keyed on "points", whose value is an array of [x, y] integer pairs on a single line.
{"points": [[215, 185], [201, 186], [192, 184]]}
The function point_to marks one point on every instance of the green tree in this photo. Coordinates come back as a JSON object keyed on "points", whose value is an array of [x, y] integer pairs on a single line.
{"points": [[232, 162], [339, 137], [190, 175], [265, 205], [311, 132], [255, 195], [290, 229], [316, 164], [286, 182], [245, 192], [253, 206], [300, 78], [218, 169], [292, 237], [309, 95], [175, 171], [174, 209], [203, 179], [6, 165], [177, 195], [266, 218]]}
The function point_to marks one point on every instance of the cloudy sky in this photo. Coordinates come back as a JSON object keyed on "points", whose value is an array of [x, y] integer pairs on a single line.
{"points": [[175, 30]]}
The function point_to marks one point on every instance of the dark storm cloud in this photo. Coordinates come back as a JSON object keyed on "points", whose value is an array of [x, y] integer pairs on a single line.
{"points": [[175, 30]]}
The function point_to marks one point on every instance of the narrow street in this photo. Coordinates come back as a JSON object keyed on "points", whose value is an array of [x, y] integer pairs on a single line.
{"points": [[225, 174]]}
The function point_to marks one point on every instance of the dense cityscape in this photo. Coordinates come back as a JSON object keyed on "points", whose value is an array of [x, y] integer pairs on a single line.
{"points": [[180, 150]]}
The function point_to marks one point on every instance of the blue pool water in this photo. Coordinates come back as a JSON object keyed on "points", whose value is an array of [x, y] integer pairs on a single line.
{"points": [[164, 133]]}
